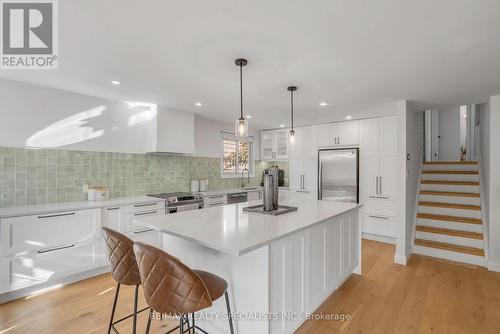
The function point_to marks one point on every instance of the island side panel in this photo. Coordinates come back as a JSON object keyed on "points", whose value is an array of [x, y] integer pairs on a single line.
{"points": [[326, 254], [247, 276]]}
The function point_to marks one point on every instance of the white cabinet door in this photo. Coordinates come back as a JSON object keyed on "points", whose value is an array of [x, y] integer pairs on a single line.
{"points": [[388, 184], [368, 175], [328, 134], [334, 249], [369, 169], [267, 145], [317, 265], [282, 145], [43, 266], [150, 237], [295, 173], [289, 281], [310, 174], [348, 133], [274, 145], [113, 218], [130, 226], [305, 145], [370, 137]]}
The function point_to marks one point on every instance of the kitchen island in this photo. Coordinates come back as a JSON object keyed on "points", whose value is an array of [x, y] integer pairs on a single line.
{"points": [[279, 268]]}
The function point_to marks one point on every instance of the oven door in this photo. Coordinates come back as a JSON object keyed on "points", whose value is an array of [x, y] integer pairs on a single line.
{"points": [[186, 207]]}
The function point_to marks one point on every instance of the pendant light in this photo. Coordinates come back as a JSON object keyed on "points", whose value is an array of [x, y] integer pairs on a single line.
{"points": [[241, 124], [292, 89]]}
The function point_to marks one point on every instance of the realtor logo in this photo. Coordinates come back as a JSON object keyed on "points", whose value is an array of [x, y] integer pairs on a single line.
{"points": [[29, 34]]}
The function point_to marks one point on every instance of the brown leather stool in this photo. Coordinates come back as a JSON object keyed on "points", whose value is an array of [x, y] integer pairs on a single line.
{"points": [[124, 271], [170, 287]]}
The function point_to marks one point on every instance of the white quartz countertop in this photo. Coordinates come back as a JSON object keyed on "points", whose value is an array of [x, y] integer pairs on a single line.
{"points": [[17, 211], [230, 230]]}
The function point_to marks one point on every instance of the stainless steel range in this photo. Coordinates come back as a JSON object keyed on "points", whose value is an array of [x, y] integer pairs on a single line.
{"points": [[180, 201]]}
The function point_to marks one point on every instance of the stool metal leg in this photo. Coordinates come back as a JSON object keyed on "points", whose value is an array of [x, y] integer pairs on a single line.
{"points": [[181, 325], [134, 319], [114, 308], [149, 321], [230, 316]]}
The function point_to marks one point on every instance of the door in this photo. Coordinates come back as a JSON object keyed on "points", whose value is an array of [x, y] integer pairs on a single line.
{"points": [[369, 156], [388, 157], [328, 134], [282, 147], [267, 145], [338, 172]]}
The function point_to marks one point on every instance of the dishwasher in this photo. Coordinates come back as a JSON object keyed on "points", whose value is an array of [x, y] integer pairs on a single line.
{"points": [[237, 198]]}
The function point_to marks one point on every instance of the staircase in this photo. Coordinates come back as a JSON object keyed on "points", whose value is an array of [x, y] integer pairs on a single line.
{"points": [[449, 224]]}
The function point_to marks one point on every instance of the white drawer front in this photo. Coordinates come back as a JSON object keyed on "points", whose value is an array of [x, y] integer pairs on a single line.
{"points": [[30, 233], [42, 266], [129, 224], [140, 207], [379, 225], [380, 205]]}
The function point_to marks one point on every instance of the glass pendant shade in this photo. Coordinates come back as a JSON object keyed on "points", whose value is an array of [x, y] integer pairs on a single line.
{"points": [[241, 127], [292, 137]]}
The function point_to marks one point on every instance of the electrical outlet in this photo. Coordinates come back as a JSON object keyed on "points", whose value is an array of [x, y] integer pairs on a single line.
{"points": [[85, 188]]}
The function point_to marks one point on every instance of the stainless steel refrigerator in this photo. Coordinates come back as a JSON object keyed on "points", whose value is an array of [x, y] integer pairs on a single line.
{"points": [[338, 175]]}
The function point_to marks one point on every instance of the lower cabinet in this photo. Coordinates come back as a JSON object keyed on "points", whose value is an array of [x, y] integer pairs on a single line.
{"points": [[308, 266], [150, 237], [41, 266]]}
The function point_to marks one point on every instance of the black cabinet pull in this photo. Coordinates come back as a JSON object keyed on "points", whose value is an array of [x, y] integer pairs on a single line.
{"points": [[42, 251], [57, 215]]}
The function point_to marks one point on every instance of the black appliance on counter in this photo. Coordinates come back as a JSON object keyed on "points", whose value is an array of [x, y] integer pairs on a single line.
{"points": [[281, 177]]}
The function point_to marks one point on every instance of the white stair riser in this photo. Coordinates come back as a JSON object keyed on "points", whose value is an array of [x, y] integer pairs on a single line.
{"points": [[449, 255], [452, 188], [451, 167], [451, 199], [451, 177], [449, 212], [450, 225], [449, 239]]}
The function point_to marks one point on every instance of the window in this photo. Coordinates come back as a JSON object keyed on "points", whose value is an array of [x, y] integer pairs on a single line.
{"points": [[237, 155]]}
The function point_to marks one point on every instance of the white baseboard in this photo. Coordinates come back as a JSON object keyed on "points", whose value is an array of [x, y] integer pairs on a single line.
{"points": [[379, 238], [401, 259], [493, 266]]}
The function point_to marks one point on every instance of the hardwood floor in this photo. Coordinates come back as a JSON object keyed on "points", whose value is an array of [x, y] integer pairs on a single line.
{"points": [[427, 296]]}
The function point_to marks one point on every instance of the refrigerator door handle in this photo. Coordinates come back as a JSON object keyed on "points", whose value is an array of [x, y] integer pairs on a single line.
{"points": [[376, 185], [320, 183], [380, 186]]}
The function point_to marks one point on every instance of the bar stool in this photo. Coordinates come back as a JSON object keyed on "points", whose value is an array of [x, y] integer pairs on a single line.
{"points": [[170, 287], [124, 271]]}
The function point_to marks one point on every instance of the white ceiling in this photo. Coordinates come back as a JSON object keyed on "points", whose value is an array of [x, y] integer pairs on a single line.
{"points": [[349, 53]]}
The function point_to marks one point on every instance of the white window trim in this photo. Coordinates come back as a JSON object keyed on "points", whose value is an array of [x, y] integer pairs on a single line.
{"points": [[231, 136]]}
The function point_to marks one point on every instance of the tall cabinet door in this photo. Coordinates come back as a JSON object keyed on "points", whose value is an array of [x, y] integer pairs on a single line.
{"points": [[369, 156], [388, 157], [295, 173]]}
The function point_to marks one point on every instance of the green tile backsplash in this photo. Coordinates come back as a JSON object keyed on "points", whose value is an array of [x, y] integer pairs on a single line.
{"points": [[38, 176]]}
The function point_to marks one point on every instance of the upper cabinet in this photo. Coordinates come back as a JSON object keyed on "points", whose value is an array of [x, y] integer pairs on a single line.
{"points": [[306, 142], [274, 145], [174, 131], [338, 134]]}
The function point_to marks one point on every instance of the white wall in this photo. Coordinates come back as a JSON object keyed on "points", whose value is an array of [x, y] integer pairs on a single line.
{"points": [[414, 147], [449, 132], [208, 137], [484, 157], [492, 172]]}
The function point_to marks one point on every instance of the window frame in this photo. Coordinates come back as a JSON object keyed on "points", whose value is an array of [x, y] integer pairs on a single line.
{"points": [[251, 148]]}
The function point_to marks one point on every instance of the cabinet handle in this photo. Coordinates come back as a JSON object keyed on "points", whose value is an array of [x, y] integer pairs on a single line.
{"points": [[376, 185], [379, 217], [48, 250], [303, 181], [217, 196], [143, 205], [380, 187], [214, 204], [112, 209], [144, 231], [145, 213], [58, 215], [302, 191], [379, 197]]}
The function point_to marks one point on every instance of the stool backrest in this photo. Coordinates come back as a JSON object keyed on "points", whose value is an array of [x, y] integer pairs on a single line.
{"points": [[121, 257], [170, 287]]}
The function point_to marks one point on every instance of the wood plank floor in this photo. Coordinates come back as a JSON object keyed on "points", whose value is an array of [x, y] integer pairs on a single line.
{"points": [[427, 296]]}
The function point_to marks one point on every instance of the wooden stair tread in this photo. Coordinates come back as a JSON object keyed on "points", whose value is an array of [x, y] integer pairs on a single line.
{"points": [[449, 193], [450, 247], [450, 206], [451, 183], [466, 220], [446, 231], [450, 163], [451, 172]]}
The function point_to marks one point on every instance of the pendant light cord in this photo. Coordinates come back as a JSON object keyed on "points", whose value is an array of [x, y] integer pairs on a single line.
{"points": [[291, 100], [241, 90]]}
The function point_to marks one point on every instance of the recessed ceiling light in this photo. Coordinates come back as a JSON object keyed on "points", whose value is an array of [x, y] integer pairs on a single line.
{"points": [[115, 82], [248, 116], [323, 104], [282, 125], [198, 104], [348, 117]]}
